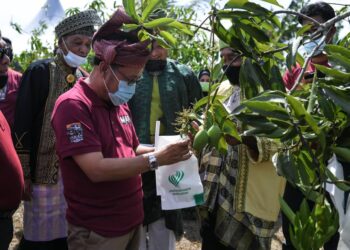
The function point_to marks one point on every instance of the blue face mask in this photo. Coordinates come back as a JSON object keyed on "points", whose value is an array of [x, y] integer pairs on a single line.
{"points": [[124, 92], [309, 47], [72, 59]]}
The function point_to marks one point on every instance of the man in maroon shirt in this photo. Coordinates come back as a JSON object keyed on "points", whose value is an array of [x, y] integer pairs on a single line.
{"points": [[9, 81], [12, 183], [99, 153]]}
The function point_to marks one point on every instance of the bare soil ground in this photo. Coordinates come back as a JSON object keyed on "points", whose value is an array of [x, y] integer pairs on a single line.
{"points": [[190, 241]]}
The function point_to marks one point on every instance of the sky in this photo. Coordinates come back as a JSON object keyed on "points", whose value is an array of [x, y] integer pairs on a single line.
{"points": [[23, 12]]}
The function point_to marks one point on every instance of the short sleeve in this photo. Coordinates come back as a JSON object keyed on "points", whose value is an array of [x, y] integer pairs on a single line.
{"points": [[74, 129]]}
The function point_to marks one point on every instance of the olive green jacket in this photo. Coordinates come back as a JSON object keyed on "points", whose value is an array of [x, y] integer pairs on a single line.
{"points": [[178, 89]]}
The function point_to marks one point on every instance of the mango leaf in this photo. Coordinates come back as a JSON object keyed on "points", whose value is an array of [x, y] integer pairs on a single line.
{"points": [[267, 109], [333, 178], [303, 29], [300, 112], [339, 95], [327, 107], [229, 36], [273, 2], [276, 79], [336, 49], [286, 166], [304, 211], [341, 60], [220, 111], [230, 128], [177, 25], [293, 51], [152, 4], [158, 22], [287, 211], [253, 31], [129, 6], [222, 146], [168, 37], [246, 5], [337, 74], [129, 27], [342, 153]]}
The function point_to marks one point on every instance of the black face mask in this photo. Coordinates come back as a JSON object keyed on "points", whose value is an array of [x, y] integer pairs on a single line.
{"points": [[3, 80], [232, 74], [155, 65]]}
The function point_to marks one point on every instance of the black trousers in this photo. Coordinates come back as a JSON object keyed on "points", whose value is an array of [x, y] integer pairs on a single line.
{"points": [[209, 240], [294, 197], [6, 232], [57, 244]]}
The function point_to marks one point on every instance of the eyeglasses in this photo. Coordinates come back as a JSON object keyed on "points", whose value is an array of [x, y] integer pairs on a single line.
{"points": [[6, 51], [130, 81]]}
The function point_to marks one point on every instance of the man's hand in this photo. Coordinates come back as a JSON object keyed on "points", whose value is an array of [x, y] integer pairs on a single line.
{"points": [[27, 195], [173, 153]]}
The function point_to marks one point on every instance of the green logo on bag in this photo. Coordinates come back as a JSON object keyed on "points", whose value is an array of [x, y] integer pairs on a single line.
{"points": [[175, 179]]}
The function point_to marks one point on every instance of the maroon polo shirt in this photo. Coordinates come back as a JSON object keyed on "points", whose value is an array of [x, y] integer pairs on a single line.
{"points": [[83, 123], [8, 105], [11, 174]]}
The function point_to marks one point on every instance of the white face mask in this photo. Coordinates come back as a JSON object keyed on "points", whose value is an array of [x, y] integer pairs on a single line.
{"points": [[72, 59], [310, 46], [124, 93]]}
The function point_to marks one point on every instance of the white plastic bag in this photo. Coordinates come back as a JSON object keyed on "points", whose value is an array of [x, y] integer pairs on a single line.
{"points": [[179, 184]]}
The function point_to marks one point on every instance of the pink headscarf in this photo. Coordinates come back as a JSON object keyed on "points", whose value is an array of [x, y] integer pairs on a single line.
{"points": [[114, 46]]}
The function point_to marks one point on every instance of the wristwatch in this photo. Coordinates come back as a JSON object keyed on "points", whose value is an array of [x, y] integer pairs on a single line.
{"points": [[152, 161]]}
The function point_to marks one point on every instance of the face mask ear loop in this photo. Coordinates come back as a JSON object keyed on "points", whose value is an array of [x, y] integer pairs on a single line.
{"points": [[114, 73], [65, 45]]}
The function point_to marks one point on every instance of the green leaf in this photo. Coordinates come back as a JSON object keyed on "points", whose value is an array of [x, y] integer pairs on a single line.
{"points": [[287, 211], [152, 4], [158, 22], [293, 51], [300, 112], [341, 60], [339, 95], [303, 29], [177, 25], [129, 6], [267, 109], [246, 5], [229, 128], [168, 37], [333, 178], [273, 2], [286, 166], [229, 36], [129, 27], [342, 153], [222, 146], [336, 49], [253, 31], [334, 73]]}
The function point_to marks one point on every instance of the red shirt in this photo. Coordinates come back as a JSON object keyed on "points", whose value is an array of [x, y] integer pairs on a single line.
{"points": [[11, 174], [8, 105], [289, 77], [83, 123]]}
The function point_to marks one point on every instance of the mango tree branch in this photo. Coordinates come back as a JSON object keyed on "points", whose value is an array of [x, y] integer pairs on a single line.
{"points": [[297, 14], [306, 64], [197, 26], [330, 23]]}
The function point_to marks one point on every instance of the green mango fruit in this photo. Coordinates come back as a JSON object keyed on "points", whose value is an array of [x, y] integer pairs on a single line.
{"points": [[214, 134], [200, 140]]}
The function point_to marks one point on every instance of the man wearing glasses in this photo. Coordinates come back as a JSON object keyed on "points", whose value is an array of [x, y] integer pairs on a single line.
{"points": [[99, 153], [9, 81]]}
